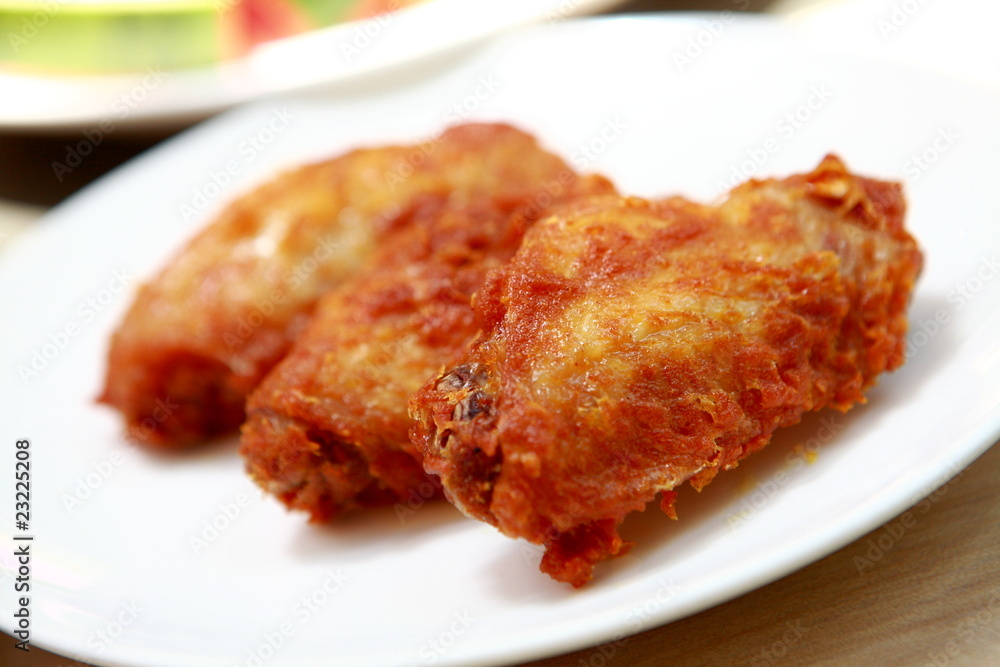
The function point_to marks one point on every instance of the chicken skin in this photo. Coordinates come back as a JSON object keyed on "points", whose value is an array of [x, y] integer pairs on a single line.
{"points": [[202, 334], [327, 429], [631, 346]]}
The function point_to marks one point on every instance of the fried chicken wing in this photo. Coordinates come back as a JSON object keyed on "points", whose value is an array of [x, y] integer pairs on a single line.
{"points": [[630, 346], [201, 335], [327, 430]]}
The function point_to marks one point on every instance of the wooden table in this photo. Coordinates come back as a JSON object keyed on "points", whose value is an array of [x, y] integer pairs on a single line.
{"points": [[931, 599]]}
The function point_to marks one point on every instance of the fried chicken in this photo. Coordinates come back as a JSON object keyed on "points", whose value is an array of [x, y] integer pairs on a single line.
{"points": [[327, 430], [631, 345], [202, 334]]}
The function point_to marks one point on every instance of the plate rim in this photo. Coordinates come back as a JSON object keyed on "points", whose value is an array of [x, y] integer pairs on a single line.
{"points": [[987, 436]]}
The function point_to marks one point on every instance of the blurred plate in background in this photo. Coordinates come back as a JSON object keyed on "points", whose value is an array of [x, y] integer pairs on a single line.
{"points": [[158, 94]]}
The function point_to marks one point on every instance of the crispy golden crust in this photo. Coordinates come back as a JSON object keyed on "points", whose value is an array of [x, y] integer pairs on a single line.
{"points": [[631, 346], [201, 335], [327, 430]]}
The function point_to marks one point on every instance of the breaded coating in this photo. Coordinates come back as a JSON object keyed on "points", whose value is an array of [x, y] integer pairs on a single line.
{"points": [[202, 334], [327, 430], [630, 346]]}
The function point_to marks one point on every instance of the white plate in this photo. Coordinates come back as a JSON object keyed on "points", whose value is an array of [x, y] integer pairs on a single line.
{"points": [[437, 587], [331, 57], [935, 36]]}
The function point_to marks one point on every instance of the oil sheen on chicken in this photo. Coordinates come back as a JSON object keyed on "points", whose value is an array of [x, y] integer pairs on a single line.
{"points": [[327, 430], [633, 345], [201, 335]]}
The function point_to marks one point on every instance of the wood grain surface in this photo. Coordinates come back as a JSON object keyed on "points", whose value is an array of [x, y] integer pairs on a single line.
{"points": [[924, 591]]}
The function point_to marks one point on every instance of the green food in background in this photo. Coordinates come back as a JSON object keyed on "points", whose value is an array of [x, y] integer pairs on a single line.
{"points": [[65, 37], [326, 12]]}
